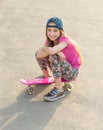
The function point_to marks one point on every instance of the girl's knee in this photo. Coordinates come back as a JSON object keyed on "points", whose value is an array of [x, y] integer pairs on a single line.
{"points": [[54, 57], [36, 54]]}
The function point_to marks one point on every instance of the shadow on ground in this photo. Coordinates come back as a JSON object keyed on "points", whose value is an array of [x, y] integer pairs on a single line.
{"points": [[29, 111]]}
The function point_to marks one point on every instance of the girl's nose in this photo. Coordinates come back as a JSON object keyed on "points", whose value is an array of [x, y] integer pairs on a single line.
{"points": [[51, 33]]}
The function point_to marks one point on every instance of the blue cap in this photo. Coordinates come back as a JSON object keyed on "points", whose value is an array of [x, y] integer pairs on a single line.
{"points": [[57, 21]]}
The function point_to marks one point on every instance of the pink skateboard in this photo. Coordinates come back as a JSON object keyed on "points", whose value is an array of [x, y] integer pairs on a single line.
{"points": [[35, 81], [32, 82]]}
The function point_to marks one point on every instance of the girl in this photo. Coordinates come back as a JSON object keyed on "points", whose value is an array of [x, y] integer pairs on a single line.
{"points": [[60, 55]]}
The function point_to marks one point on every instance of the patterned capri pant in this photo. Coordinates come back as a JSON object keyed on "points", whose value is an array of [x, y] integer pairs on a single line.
{"points": [[59, 68]]}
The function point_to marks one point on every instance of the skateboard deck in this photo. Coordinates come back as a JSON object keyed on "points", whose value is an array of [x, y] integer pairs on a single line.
{"points": [[35, 81]]}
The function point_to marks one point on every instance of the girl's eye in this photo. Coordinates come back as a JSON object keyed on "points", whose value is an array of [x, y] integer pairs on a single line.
{"points": [[55, 30], [48, 29]]}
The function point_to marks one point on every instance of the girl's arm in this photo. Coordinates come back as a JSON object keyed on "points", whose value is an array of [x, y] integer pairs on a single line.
{"points": [[45, 50], [41, 53], [55, 49], [61, 56]]}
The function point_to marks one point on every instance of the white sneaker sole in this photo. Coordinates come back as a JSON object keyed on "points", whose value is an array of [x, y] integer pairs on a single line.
{"points": [[53, 99]]}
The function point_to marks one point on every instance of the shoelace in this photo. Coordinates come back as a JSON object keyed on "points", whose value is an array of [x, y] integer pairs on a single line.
{"points": [[53, 92]]}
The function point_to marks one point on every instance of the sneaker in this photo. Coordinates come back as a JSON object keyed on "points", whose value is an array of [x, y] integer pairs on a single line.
{"points": [[54, 94]]}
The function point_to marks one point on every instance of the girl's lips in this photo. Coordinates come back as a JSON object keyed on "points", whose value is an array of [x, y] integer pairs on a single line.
{"points": [[52, 38]]}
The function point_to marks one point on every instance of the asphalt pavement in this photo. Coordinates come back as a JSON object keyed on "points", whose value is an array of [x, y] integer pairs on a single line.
{"points": [[22, 32]]}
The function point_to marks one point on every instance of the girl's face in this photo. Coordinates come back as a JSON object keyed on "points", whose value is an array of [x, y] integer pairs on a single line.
{"points": [[52, 32]]}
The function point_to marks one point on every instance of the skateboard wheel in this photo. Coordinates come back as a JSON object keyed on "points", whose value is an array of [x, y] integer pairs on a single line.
{"points": [[31, 90], [68, 87]]}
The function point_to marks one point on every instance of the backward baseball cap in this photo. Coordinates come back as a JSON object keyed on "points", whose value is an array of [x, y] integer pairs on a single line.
{"points": [[58, 23]]}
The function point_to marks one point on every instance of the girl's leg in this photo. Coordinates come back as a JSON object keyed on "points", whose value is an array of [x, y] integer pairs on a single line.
{"points": [[68, 72], [43, 63], [56, 69], [59, 69], [57, 92], [45, 73]]}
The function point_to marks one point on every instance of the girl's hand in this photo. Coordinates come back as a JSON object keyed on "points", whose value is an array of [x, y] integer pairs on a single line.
{"points": [[40, 53], [61, 55]]}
